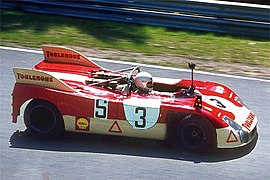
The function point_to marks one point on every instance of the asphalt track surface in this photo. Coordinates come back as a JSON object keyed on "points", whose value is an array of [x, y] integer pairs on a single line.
{"points": [[83, 156]]}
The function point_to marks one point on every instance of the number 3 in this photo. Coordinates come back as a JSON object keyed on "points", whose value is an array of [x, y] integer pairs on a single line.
{"points": [[142, 117]]}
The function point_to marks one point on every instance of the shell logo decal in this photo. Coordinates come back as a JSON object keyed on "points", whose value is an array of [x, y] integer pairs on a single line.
{"points": [[82, 124]]}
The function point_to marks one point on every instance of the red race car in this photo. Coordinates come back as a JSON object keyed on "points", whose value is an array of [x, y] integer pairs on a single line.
{"points": [[69, 92]]}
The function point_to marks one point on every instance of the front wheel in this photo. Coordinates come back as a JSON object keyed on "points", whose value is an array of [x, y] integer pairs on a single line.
{"points": [[197, 134], [43, 120]]}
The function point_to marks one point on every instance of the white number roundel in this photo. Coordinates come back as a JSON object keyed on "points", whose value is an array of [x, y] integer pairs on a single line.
{"points": [[142, 113]]}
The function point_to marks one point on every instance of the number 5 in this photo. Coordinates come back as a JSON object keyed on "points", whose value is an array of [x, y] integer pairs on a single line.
{"points": [[100, 110]]}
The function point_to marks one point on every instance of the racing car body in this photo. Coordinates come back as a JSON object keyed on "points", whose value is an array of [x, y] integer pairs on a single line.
{"points": [[69, 92]]}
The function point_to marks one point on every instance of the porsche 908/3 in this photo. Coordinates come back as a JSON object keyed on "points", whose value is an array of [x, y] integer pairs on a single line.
{"points": [[69, 92]]}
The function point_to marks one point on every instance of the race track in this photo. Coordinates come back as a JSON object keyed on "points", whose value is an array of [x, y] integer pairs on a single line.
{"points": [[82, 156]]}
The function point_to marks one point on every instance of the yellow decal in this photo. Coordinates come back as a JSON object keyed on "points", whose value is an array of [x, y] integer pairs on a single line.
{"points": [[82, 124]]}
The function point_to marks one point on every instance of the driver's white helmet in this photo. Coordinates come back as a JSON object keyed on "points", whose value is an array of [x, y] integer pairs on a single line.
{"points": [[144, 81]]}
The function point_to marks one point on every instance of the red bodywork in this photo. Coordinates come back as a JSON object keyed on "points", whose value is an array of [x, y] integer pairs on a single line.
{"points": [[80, 100], [70, 103]]}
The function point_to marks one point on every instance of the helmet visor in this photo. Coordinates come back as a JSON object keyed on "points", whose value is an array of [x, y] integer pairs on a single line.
{"points": [[149, 84]]}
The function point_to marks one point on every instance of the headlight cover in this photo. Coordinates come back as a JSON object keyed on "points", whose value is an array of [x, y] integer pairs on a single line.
{"points": [[242, 133]]}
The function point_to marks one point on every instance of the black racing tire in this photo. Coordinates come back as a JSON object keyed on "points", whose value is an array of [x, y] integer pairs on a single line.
{"points": [[43, 120], [197, 134]]}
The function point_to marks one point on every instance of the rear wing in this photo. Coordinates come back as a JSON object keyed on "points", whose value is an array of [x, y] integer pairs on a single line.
{"points": [[60, 54], [40, 78]]}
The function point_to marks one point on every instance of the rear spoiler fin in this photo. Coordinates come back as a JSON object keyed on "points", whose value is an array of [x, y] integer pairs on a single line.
{"points": [[61, 54], [40, 78]]}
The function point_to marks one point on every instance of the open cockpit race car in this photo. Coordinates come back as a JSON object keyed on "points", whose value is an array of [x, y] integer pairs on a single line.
{"points": [[69, 92]]}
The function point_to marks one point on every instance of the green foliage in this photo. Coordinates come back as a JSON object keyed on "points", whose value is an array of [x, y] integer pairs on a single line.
{"points": [[34, 30]]}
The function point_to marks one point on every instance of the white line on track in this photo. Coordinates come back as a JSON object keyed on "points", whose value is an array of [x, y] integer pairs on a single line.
{"points": [[146, 65]]}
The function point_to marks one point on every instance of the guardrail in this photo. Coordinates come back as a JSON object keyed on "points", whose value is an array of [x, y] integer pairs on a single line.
{"points": [[214, 16]]}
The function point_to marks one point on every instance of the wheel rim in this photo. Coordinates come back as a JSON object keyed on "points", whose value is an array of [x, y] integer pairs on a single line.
{"points": [[42, 119], [193, 136]]}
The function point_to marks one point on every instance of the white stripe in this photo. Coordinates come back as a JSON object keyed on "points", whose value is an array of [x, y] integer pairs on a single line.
{"points": [[21, 50], [148, 65]]}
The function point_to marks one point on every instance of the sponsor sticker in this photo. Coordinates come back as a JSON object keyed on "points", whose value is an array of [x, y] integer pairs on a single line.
{"points": [[218, 89], [34, 77], [247, 124], [82, 124], [62, 55]]}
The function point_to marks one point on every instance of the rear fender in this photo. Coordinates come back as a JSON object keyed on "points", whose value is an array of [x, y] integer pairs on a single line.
{"points": [[66, 102]]}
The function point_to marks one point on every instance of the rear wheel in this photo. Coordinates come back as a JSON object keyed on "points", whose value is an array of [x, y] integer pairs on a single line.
{"points": [[43, 120], [197, 134]]}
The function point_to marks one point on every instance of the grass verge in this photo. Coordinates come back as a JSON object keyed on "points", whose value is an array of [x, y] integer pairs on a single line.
{"points": [[33, 30]]}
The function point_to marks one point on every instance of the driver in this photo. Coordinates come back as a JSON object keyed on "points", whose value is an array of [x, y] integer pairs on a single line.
{"points": [[144, 82]]}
